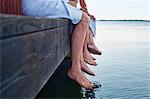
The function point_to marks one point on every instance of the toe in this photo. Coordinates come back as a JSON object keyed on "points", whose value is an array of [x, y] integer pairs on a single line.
{"points": [[93, 58], [95, 64]]}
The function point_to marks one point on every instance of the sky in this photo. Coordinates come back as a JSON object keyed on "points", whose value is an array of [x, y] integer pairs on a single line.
{"points": [[120, 9]]}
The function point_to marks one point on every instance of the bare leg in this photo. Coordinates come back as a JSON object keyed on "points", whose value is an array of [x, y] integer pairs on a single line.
{"points": [[91, 45], [84, 67], [77, 41], [89, 40], [86, 54]]}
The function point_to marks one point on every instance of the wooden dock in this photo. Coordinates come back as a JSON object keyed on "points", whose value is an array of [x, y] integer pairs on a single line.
{"points": [[31, 49]]}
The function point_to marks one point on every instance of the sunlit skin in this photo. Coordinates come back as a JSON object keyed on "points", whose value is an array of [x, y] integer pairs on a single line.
{"points": [[79, 35], [86, 55], [89, 43], [79, 51]]}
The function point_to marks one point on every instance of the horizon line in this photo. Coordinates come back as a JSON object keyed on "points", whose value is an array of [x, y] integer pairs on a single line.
{"points": [[123, 20]]}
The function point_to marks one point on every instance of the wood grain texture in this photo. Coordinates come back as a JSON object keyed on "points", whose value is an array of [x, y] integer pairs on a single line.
{"points": [[59, 86], [30, 57], [11, 25]]}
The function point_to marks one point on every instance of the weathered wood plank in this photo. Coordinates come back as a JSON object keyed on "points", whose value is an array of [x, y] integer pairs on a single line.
{"points": [[11, 25], [59, 86], [27, 61]]}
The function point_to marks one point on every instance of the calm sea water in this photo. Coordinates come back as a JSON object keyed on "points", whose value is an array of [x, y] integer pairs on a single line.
{"points": [[124, 67]]}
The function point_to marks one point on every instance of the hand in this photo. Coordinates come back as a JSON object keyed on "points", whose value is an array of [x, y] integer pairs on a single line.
{"points": [[92, 17]]}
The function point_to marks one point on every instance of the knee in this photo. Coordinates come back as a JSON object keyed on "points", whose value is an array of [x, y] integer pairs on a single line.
{"points": [[85, 20]]}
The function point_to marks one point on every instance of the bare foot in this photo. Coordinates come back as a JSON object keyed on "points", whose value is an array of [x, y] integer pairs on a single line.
{"points": [[86, 69], [88, 58], [94, 50], [93, 58], [76, 75]]}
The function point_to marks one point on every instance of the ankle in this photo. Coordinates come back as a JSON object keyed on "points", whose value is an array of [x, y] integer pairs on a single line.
{"points": [[75, 65], [85, 50]]}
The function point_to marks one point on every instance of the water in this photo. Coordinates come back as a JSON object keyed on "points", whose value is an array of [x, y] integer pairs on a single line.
{"points": [[124, 67]]}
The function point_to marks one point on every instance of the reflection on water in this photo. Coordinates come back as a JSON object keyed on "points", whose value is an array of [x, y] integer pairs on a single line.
{"points": [[123, 68], [90, 94], [59, 86]]}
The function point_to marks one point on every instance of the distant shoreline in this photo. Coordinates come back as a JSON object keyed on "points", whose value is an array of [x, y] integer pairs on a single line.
{"points": [[127, 20]]}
